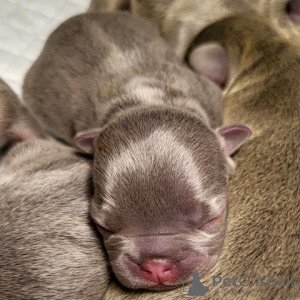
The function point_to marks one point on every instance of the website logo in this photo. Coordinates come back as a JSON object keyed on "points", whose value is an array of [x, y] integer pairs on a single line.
{"points": [[249, 285], [197, 288]]}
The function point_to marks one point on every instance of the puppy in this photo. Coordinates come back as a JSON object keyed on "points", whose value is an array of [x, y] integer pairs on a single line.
{"points": [[262, 90], [161, 161], [179, 21], [49, 247]]}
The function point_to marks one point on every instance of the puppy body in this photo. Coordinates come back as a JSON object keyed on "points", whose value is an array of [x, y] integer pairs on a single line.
{"points": [[96, 66], [263, 230], [179, 21], [160, 164], [49, 247]]}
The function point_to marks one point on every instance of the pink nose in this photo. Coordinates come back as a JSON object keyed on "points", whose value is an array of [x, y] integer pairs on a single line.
{"points": [[158, 271]]}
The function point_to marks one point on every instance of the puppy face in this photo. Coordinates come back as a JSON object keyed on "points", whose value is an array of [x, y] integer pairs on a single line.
{"points": [[160, 197]]}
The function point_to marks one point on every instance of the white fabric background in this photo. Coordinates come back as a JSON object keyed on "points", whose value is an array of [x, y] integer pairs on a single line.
{"points": [[24, 27]]}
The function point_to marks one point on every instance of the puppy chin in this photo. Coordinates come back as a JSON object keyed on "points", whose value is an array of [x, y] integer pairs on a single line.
{"points": [[142, 284], [163, 287]]}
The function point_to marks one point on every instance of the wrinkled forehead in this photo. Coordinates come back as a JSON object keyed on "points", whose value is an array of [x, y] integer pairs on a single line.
{"points": [[162, 175]]}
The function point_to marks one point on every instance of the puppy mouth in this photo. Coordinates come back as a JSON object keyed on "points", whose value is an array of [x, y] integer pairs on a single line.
{"points": [[136, 278]]}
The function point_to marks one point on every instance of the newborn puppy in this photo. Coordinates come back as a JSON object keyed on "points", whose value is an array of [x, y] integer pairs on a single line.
{"points": [[262, 237], [179, 21], [49, 247], [262, 89], [160, 161]]}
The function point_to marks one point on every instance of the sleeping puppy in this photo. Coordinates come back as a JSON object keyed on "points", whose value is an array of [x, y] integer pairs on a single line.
{"points": [[49, 247], [179, 21], [262, 90], [161, 162]]}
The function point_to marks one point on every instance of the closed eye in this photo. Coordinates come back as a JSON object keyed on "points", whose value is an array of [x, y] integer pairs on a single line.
{"points": [[104, 231], [212, 223]]}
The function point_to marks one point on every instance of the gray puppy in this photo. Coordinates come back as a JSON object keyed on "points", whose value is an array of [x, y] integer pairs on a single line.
{"points": [[262, 240], [49, 247], [161, 162]]}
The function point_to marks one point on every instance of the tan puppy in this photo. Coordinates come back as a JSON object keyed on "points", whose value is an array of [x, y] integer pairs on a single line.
{"points": [[49, 247], [262, 90]]}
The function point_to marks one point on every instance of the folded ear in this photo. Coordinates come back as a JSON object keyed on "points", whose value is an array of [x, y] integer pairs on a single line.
{"points": [[210, 59], [84, 141], [16, 122], [234, 137]]}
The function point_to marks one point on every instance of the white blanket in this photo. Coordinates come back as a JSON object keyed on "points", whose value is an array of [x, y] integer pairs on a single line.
{"points": [[24, 27]]}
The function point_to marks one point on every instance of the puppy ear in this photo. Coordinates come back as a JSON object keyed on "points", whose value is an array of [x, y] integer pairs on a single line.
{"points": [[210, 59], [233, 137], [16, 123], [84, 141]]}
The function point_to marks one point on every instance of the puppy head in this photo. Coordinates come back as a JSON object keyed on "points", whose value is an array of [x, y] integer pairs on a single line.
{"points": [[160, 195]]}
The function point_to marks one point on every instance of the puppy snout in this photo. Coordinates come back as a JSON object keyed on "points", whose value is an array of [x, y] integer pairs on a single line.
{"points": [[158, 271]]}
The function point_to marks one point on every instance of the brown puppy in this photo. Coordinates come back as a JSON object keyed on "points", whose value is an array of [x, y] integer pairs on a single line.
{"points": [[263, 231], [49, 247], [160, 161]]}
